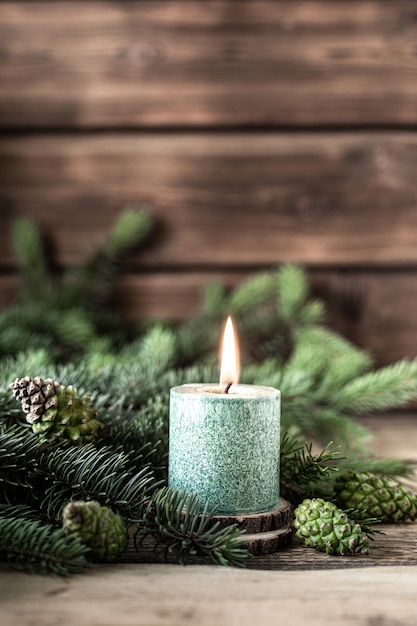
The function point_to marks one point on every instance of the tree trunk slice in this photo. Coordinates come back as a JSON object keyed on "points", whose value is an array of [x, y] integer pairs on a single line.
{"points": [[274, 519], [272, 541], [264, 532]]}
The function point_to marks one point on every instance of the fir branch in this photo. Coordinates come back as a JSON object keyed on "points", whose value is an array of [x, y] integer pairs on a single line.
{"points": [[39, 325], [131, 229], [157, 350], [144, 432], [386, 388], [113, 478], [253, 293], [20, 511], [185, 528], [293, 290], [331, 359], [312, 313], [92, 282], [396, 468], [27, 363], [30, 546], [19, 456], [304, 474], [320, 423], [215, 301], [28, 245]]}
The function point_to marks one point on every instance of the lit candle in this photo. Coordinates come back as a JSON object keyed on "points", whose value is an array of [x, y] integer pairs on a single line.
{"points": [[224, 439]]}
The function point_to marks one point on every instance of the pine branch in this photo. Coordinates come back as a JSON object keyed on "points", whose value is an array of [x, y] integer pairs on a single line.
{"points": [[320, 423], [396, 468], [293, 290], [19, 456], [20, 511], [386, 388], [328, 358], [38, 283], [114, 478], [184, 528], [157, 350], [131, 229], [144, 432], [92, 283], [253, 293], [30, 546], [304, 474]]}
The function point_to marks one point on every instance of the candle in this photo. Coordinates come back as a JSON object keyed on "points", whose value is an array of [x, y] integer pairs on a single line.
{"points": [[224, 440]]}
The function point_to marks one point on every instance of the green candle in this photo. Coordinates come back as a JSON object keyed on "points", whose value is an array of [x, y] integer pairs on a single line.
{"points": [[225, 446]]}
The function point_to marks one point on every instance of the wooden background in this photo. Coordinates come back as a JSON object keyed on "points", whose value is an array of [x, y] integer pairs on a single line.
{"points": [[258, 132]]}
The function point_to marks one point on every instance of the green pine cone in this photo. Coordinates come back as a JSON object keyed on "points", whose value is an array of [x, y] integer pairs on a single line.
{"points": [[325, 527], [99, 528], [55, 411], [375, 495]]}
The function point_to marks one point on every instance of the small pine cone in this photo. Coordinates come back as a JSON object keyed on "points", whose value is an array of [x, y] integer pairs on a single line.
{"points": [[99, 528], [325, 527], [375, 495], [55, 411]]}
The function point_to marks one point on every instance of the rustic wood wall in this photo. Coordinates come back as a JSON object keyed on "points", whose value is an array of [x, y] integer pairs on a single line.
{"points": [[258, 131]]}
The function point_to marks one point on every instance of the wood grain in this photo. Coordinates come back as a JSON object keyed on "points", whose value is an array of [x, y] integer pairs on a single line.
{"points": [[221, 200], [256, 62], [167, 595], [397, 546]]}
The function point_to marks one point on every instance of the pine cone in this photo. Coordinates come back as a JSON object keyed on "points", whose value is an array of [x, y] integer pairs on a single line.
{"points": [[376, 495], [55, 411], [325, 527], [98, 527]]}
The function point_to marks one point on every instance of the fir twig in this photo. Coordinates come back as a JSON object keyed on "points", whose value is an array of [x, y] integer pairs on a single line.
{"points": [[384, 389], [305, 474], [30, 546], [179, 523], [111, 477]]}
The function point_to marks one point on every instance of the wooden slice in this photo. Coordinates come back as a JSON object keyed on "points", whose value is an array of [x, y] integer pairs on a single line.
{"points": [[272, 541], [264, 532], [276, 518]]}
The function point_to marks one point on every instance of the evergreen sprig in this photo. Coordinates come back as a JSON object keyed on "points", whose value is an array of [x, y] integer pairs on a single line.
{"points": [[384, 389], [66, 312], [304, 473], [113, 478], [39, 548], [185, 528]]}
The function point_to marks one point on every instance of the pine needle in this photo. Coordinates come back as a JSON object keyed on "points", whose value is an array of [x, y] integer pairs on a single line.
{"points": [[293, 290], [186, 528], [386, 388], [36, 548]]}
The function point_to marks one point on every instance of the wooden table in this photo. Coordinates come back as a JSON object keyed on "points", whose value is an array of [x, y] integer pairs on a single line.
{"points": [[296, 586]]}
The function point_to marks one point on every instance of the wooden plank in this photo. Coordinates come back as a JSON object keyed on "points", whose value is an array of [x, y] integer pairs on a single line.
{"points": [[252, 62], [225, 200], [9, 290], [166, 595], [396, 546]]}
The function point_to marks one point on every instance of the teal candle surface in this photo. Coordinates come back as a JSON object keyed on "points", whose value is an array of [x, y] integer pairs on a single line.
{"points": [[225, 446]]}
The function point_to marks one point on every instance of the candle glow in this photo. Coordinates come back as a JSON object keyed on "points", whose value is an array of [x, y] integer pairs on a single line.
{"points": [[230, 361]]}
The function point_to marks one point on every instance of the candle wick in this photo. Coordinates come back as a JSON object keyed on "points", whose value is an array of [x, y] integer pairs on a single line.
{"points": [[228, 387]]}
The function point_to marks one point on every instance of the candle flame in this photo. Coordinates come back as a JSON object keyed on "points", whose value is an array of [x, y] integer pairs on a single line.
{"points": [[230, 362]]}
